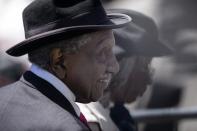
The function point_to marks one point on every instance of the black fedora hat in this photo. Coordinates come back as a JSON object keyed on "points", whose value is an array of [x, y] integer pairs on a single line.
{"points": [[46, 20], [142, 40]]}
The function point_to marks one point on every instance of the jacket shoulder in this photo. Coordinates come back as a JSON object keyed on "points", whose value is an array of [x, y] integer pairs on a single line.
{"points": [[25, 108]]}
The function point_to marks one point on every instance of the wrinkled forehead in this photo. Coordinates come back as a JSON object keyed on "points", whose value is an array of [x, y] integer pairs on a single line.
{"points": [[97, 40], [104, 38]]}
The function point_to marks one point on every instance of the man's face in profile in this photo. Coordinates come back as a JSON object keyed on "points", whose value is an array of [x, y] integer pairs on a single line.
{"points": [[132, 80], [91, 69]]}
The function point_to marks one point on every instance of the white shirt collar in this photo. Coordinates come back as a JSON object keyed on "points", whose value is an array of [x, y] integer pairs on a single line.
{"points": [[58, 84]]}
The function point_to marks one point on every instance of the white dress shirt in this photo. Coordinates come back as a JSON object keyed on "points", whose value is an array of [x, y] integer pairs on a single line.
{"points": [[58, 84], [95, 112]]}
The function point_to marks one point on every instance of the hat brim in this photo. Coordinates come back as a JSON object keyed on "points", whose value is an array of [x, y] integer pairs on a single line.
{"points": [[141, 47], [134, 40], [117, 20], [156, 48]]}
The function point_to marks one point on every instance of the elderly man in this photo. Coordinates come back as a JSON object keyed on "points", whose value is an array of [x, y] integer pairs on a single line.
{"points": [[69, 43], [135, 50]]}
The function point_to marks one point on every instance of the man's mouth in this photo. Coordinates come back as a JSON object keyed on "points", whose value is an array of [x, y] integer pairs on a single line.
{"points": [[105, 80]]}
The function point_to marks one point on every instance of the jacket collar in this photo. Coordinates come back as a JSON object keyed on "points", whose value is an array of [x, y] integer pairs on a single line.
{"points": [[49, 91], [56, 83]]}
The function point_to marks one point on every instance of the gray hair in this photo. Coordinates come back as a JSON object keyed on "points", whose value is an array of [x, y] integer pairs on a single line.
{"points": [[41, 56]]}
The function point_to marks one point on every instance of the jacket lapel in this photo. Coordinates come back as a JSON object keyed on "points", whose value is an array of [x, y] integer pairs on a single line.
{"points": [[49, 91]]}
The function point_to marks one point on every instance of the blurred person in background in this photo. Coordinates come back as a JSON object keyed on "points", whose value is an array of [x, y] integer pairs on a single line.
{"points": [[135, 50], [178, 27], [70, 45], [10, 70]]}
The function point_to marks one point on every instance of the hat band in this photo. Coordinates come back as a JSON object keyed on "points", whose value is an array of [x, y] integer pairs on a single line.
{"points": [[96, 17]]}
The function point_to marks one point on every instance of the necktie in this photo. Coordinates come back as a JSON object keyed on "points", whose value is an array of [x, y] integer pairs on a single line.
{"points": [[83, 119]]}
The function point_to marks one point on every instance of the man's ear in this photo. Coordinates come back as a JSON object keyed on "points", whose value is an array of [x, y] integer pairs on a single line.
{"points": [[57, 63]]}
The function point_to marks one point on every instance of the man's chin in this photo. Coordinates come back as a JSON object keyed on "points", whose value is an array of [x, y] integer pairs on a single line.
{"points": [[82, 100], [95, 98]]}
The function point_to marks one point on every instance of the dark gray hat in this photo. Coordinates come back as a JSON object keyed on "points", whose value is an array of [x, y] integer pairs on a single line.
{"points": [[141, 39], [49, 20]]}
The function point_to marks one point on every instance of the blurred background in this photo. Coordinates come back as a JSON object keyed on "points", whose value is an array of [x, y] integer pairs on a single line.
{"points": [[175, 77]]}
